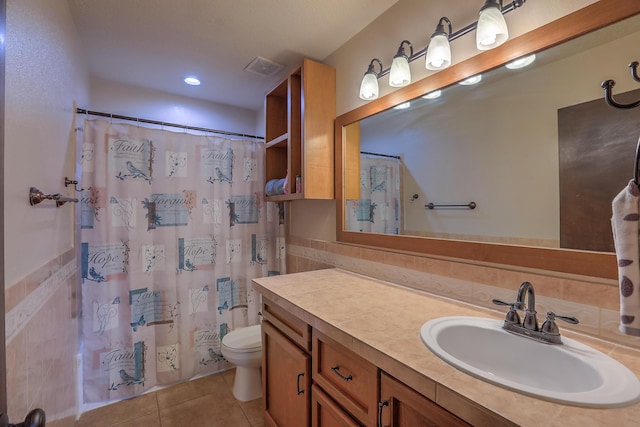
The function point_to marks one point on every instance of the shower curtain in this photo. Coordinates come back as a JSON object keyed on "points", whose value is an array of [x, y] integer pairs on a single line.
{"points": [[173, 228], [378, 209]]}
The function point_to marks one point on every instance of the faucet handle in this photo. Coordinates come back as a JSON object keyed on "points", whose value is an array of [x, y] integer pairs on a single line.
{"points": [[549, 326], [512, 314]]}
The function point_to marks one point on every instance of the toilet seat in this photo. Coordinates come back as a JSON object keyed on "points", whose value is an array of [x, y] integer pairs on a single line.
{"points": [[246, 339]]}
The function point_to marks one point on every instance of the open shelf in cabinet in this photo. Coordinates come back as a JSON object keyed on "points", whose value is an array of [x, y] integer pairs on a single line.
{"points": [[299, 114]]}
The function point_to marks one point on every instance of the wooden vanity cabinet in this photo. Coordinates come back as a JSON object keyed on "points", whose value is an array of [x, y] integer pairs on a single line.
{"points": [[401, 406], [311, 380], [346, 377], [299, 116], [286, 369], [325, 412]]}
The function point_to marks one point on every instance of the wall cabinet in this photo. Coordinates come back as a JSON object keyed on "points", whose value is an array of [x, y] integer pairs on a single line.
{"points": [[311, 380], [299, 115]]}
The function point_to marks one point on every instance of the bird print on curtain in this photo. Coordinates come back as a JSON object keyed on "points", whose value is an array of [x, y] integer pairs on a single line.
{"points": [[173, 228]]}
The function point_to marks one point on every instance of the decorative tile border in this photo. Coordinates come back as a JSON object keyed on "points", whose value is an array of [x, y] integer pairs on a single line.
{"points": [[19, 316]]}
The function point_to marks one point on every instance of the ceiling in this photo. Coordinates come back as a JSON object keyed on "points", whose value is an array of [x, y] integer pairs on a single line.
{"points": [[156, 43]]}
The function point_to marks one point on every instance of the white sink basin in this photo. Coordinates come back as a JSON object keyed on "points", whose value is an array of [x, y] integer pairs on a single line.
{"points": [[570, 373]]}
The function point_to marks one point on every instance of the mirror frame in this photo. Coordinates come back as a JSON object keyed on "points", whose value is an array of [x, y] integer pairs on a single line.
{"points": [[585, 263]]}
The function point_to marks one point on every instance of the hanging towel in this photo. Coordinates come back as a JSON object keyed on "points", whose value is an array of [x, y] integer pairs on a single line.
{"points": [[626, 227]]}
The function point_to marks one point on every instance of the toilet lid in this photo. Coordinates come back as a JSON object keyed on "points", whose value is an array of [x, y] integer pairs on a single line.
{"points": [[244, 338]]}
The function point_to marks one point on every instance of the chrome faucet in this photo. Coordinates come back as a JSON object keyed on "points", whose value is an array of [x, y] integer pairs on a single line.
{"points": [[548, 333], [531, 316]]}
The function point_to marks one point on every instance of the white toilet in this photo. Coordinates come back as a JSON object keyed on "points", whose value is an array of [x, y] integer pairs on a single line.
{"points": [[243, 348]]}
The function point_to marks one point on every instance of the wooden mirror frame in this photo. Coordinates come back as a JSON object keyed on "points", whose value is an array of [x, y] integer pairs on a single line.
{"points": [[586, 263]]}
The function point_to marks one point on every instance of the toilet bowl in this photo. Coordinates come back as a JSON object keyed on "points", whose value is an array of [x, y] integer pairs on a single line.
{"points": [[243, 348]]}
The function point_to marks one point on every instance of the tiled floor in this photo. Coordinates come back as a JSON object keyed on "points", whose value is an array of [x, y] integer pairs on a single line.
{"points": [[205, 402]]}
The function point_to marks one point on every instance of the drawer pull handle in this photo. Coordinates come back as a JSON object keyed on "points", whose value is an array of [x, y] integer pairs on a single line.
{"points": [[336, 369], [380, 406], [301, 374]]}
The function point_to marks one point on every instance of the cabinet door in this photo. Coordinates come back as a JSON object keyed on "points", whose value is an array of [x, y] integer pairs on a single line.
{"points": [[286, 380], [401, 406], [326, 413]]}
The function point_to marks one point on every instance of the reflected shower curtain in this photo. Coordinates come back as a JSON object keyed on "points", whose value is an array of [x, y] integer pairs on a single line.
{"points": [[378, 210], [174, 227]]}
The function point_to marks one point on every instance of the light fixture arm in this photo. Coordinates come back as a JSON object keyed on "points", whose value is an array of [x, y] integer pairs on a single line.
{"points": [[440, 27], [371, 69], [401, 51], [452, 36]]}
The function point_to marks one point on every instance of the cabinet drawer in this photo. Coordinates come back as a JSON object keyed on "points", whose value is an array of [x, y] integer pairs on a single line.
{"points": [[326, 413], [294, 328], [346, 377]]}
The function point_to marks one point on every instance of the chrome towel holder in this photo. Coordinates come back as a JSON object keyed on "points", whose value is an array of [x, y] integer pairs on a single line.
{"points": [[36, 196]]}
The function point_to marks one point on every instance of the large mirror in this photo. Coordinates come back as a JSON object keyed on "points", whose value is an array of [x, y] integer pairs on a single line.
{"points": [[503, 171]]}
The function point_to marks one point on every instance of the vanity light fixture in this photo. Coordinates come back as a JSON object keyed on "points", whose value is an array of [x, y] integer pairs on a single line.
{"points": [[492, 29], [439, 49], [433, 95], [369, 86], [471, 80], [400, 74], [192, 81], [521, 62]]}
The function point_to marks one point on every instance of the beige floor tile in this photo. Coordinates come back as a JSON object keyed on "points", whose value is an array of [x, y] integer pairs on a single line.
{"points": [[254, 411], [214, 385], [204, 411], [206, 401], [120, 412], [150, 420]]}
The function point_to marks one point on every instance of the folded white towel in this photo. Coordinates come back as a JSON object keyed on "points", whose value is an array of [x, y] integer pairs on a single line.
{"points": [[625, 223]]}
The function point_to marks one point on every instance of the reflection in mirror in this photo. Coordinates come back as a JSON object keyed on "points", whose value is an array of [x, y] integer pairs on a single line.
{"points": [[472, 164], [496, 143]]}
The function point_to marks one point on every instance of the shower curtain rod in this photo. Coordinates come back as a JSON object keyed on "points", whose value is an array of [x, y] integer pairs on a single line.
{"points": [[155, 122], [381, 155]]}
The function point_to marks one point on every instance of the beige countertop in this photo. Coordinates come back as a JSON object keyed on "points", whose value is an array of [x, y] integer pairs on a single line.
{"points": [[381, 322]]}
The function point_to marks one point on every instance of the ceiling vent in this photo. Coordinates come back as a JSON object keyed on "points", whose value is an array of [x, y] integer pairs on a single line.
{"points": [[263, 67]]}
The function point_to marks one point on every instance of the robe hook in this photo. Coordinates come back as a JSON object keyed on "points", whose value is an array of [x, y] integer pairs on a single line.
{"points": [[608, 96]]}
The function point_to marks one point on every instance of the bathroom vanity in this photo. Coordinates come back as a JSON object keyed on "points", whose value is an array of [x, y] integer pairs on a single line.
{"points": [[342, 349]]}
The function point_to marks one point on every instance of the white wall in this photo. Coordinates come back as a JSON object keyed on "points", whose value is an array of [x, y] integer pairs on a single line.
{"points": [[407, 20], [117, 98], [45, 74]]}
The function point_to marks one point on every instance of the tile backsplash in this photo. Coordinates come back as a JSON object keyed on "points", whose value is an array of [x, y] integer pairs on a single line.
{"points": [[594, 302]]}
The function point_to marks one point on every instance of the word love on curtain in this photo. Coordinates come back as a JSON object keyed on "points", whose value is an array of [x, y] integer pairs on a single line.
{"points": [[174, 227]]}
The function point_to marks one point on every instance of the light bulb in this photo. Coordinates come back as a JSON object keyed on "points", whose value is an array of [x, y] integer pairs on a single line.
{"points": [[492, 29]]}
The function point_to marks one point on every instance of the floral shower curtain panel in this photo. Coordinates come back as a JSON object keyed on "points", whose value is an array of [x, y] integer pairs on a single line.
{"points": [[174, 227], [378, 210]]}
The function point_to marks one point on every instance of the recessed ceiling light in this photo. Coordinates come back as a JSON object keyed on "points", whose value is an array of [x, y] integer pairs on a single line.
{"points": [[192, 80], [433, 95], [521, 62], [402, 106], [472, 80]]}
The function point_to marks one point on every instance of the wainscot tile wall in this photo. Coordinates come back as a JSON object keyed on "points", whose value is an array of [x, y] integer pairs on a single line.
{"points": [[595, 303], [42, 343]]}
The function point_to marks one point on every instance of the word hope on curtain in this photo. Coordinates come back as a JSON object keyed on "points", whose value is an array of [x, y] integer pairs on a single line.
{"points": [[173, 228]]}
